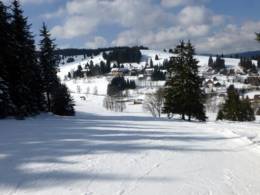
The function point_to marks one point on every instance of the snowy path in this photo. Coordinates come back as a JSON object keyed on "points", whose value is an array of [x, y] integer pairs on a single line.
{"points": [[113, 154]]}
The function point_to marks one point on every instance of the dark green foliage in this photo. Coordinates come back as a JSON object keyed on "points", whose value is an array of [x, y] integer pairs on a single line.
{"points": [[69, 75], [126, 55], [59, 100], [70, 60], [183, 94], [24, 73], [6, 106], [92, 70], [211, 62], [92, 52], [49, 64], [219, 64], [62, 104], [151, 63], [247, 65], [25, 80], [78, 73], [235, 109], [156, 57], [258, 37], [119, 84], [158, 75]]}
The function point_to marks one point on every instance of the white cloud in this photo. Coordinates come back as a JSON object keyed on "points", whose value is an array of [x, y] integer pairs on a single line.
{"points": [[30, 1], [74, 27], [126, 14], [176, 3], [143, 22], [97, 42], [232, 39], [198, 15]]}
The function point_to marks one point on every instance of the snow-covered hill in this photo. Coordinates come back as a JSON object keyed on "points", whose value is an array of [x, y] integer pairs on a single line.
{"points": [[100, 152], [89, 85], [230, 63]]}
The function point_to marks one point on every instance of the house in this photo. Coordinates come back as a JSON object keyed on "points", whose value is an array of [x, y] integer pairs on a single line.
{"points": [[149, 71], [253, 80], [119, 71]]}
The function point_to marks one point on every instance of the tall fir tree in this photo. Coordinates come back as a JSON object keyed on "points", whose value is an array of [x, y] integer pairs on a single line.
{"points": [[211, 62], [24, 70], [58, 97], [49, 64], [6, 106], [184, 95]]}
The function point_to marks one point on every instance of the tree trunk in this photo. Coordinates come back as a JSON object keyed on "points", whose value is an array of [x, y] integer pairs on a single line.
{"points": [[189, 117], [48, 102]]}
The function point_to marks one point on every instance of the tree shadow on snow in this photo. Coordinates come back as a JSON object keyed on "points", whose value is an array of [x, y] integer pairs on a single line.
{"points": [[49, 140]]}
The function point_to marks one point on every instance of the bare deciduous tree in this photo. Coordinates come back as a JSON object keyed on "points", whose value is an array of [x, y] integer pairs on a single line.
{"points": [[153, 103]]}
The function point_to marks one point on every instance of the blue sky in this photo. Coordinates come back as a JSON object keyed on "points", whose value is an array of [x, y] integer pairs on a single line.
{"points": [[216, 26]]}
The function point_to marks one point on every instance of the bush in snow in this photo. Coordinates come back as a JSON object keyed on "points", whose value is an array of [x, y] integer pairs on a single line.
{"points": [[114, 104], [62, 102], [153, 103], [235, 109]]}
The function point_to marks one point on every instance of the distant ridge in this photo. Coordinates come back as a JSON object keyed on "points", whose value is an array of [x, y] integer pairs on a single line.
{"points": [[246, 54], [89, 52]]}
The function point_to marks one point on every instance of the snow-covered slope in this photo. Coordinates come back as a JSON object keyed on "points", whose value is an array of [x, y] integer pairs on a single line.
{"points": [[67, 67], [99, 152], [147, 55]]}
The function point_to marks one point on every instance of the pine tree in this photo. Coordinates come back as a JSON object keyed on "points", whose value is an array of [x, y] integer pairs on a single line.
{"points": [[183, 94], [6, 106], [235, 109], [151, 63], [211, 62], [49, 64], [24, 71], [258, 37], [247, 65], [62, 104], [58, 97], [219, 64]]}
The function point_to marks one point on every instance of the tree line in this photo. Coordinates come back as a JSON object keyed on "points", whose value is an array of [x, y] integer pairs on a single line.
{"points": [[91, 52], [28, 79], [124, 55]]}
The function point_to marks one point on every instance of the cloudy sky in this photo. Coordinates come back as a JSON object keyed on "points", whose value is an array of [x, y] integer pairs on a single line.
{"points": [[214, 26]]}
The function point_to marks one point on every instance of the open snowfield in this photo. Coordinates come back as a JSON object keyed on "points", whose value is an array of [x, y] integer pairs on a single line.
{"points": [[104, 153], [99, 152]]}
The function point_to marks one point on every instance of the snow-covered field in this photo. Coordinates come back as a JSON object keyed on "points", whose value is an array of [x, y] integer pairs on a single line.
{"points": [[99, 152]]}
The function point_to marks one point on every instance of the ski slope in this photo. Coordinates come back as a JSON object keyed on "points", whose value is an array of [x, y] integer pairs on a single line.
{"points": [[99, 152]]}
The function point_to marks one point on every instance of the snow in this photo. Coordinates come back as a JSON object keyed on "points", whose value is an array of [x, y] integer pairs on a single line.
{"points": [[252, 94], [100, 152]]}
